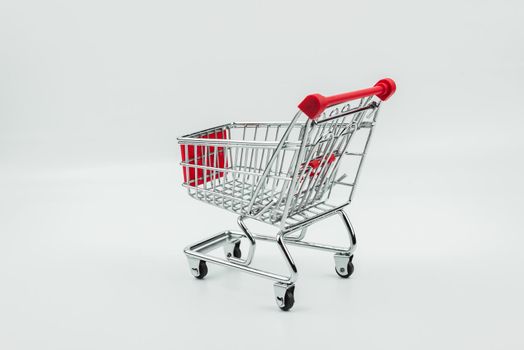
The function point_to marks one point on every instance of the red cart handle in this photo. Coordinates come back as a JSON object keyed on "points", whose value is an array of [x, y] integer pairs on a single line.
{"points": [[313, 105]]}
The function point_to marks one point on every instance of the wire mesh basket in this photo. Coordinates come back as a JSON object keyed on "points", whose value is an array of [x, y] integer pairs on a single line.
{"points": [[287, 174]]}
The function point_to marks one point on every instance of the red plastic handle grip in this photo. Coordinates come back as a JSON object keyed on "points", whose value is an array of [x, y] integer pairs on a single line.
{"points": [[313, 105]]}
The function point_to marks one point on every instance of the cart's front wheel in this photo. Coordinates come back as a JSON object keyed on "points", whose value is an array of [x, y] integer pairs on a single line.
{"points": [[237, 253], [202, 270], [347, 271], [233, 250], [344, 265], [285, 296]]}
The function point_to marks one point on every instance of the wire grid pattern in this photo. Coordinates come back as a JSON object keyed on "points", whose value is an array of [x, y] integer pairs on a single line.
{"points": [[277, 172]]}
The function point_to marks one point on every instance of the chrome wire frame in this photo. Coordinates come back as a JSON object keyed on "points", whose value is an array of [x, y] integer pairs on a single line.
{"points": [[198, 251], [282, 174]]}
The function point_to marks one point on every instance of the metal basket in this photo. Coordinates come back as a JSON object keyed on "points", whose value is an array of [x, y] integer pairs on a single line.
{"points": [[289, 175]]}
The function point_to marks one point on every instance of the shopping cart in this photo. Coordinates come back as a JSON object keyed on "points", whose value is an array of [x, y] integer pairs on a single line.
{"points": [[289, 175]]}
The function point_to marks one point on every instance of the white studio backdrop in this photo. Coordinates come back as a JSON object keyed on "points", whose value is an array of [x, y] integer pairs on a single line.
{"points": [[93, 219]]}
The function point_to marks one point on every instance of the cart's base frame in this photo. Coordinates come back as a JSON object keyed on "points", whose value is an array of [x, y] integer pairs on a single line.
{"points": [[284, 285]]}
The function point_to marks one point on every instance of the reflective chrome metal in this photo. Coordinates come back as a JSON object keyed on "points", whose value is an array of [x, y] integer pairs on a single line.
{"points": [[225, 239], [282, 174], [197, 251], [351, 232]]}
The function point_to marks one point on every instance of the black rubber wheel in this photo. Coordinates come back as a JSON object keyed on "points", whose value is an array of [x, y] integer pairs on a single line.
{"points": [[202, 270], [348, 271], [237, 253], [289, 299]]}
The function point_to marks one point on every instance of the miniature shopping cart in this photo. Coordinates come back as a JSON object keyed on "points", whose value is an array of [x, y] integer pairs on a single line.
{"points": [[286, 174]]}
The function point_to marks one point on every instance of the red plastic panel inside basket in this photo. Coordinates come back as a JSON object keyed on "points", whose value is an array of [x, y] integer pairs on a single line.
{"points": [[196, 155], [315, 163]]}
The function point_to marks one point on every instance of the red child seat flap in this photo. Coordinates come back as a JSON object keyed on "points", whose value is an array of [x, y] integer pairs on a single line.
{"points": [[196, 155]]}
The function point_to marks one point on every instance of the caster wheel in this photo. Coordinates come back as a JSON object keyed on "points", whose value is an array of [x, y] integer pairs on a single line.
{"points": [[346, 271], [202, 270], [237, 253], [287, 302]]}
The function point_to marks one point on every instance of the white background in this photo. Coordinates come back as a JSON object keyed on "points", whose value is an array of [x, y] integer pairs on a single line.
{"points": [[93, 219]]}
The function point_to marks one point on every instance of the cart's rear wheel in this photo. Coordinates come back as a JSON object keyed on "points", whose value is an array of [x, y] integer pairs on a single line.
{"points": [[237, 253], [232, 250], [347, 271], [287, 302], [202, 270]]}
